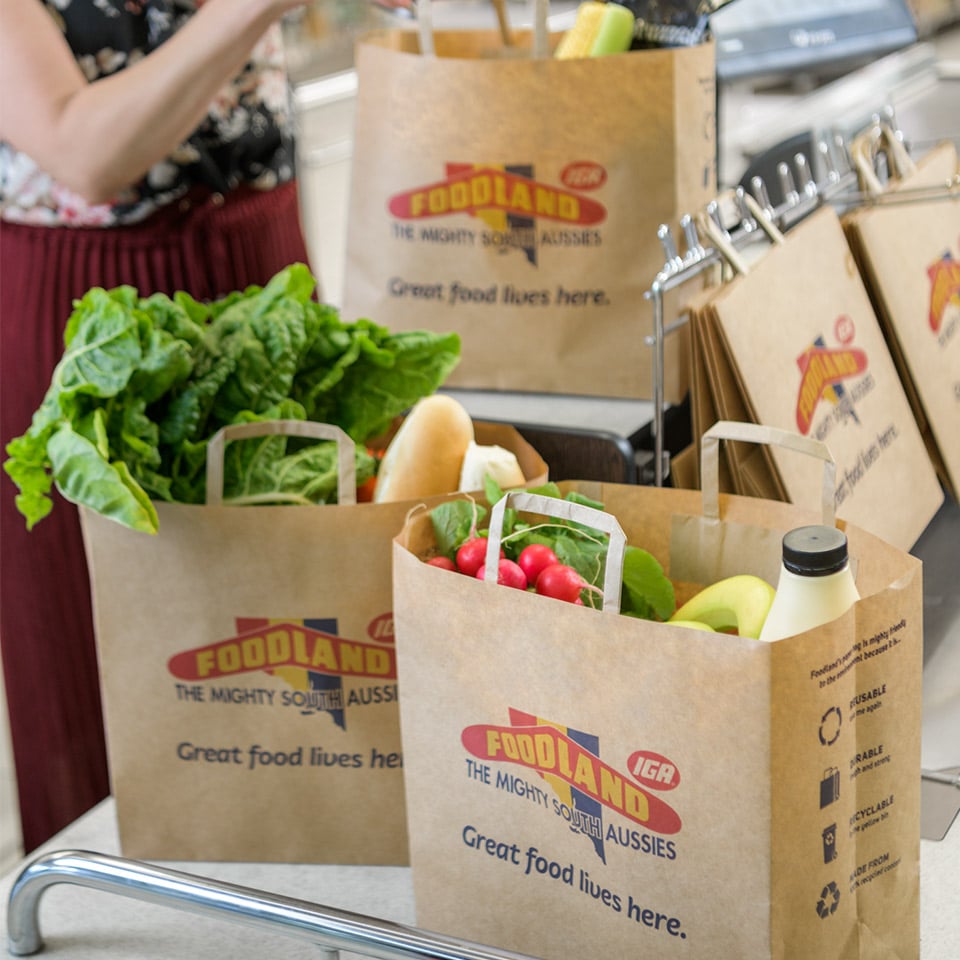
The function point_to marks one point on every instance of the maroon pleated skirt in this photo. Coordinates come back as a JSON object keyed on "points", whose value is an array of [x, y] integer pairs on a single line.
{"points": [[204, 245]]}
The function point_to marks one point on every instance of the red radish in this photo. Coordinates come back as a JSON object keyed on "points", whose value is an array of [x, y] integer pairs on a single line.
{"points": [[471, 555], [445, 563], [509, 574], [535, 558], [560, 582]]}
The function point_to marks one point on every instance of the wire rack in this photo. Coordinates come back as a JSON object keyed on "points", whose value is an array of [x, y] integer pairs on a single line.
{"points": [[802, 193]]}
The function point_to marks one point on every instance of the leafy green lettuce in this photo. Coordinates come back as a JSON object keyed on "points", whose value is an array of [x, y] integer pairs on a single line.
{"points": [[144, 382]]}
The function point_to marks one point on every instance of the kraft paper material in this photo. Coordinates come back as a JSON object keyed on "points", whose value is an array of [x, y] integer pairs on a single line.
{"points": [[504, 199], [909, 254], [581, 783], [809, 355], [249, 678]]}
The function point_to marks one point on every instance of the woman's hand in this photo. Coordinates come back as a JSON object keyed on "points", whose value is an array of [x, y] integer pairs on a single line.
{"points": [[99, 138]]}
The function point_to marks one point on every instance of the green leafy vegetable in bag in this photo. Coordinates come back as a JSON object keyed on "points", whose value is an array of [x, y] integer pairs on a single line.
{"points": [[647, 592], [144, 382]]}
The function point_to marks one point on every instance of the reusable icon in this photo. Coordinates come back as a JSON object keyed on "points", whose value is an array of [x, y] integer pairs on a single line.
{"points": [[830, 724]]}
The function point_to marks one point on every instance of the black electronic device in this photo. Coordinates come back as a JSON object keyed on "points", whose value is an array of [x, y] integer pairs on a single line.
{"points": [[818, 37]]}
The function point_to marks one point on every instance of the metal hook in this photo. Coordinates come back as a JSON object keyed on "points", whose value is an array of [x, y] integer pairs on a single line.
{"points": [[827, 162], [787, 186], [841, 154], [760, 193], [671, 256], [808, 185], [713, 212], [747, 222], [691, 237]]}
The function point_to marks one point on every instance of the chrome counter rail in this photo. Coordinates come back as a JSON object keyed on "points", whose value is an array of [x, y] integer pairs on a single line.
{"points": [[328, 928]]}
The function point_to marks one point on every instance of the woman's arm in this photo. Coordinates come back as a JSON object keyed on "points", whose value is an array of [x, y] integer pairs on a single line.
{"points": [[98, 138]]}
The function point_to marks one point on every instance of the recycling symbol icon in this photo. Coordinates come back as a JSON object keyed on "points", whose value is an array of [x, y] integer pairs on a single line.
{"points": [[829, 900]]}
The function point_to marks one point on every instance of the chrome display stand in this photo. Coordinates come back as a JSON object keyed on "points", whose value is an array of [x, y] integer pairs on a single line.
{"points": [[802, 195]]}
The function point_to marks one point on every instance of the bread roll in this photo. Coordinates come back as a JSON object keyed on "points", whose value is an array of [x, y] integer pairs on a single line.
{"points": [[425, 455], [500, 463]]}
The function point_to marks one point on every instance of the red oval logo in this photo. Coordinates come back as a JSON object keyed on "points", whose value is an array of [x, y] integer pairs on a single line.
{"points": [[583, 175], [844, 329], [381, 628], [653, 770]]}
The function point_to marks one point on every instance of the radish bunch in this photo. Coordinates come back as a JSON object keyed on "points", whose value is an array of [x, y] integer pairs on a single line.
{"points": [[555, 558], [537, 567]]}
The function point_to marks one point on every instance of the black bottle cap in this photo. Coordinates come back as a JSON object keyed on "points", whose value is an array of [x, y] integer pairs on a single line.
{"points": [[814, 551]]}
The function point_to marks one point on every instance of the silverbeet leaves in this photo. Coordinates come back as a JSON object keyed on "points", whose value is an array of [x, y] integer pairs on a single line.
{"points": [[144, 382]]}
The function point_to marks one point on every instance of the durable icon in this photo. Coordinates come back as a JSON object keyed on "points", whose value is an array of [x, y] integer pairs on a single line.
{"points": [[829, 787]]}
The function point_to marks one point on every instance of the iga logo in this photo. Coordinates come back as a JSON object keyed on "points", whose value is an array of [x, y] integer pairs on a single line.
{"points": [[822, 370], [568, 760], [507, 199], [944, 277], [306, 654]]}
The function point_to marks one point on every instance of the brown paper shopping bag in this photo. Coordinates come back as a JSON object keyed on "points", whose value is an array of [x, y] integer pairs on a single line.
{"points": [[249, 674], [907, 244], [809, 355], [582, 783], [746, 469], [517, 200]]}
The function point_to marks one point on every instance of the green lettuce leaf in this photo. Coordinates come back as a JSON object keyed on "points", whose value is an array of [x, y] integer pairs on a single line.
{"points": [[144, 382]]}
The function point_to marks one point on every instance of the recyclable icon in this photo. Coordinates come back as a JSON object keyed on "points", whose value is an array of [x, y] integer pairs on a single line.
{"points": [[830, 843], [829, 900]]}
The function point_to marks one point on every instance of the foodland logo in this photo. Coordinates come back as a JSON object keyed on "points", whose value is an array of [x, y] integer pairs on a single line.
{"points": [[944, 277], [823, 370], [568, 760], [307, 654], [508, 199]]}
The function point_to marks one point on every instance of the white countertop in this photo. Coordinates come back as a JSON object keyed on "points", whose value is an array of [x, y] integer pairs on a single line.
{"points": [[86, 924]]}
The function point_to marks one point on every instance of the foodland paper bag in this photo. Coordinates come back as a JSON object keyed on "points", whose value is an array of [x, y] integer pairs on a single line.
{"points": [[517, 201], [581, 783], [716, 394], [804, 342], [249, 674], [907, 244]]}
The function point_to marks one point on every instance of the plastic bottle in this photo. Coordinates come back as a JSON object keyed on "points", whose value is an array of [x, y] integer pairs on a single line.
{"points": [[816, 583]]}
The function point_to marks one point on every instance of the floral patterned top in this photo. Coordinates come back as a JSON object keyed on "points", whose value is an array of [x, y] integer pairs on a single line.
{"points": [[246, 137]]}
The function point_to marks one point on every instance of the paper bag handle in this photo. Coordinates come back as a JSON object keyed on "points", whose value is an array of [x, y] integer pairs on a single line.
{"points": [[880, 138], [725, 246], [541, 32], [346, 452], [562, 510], [774, 436]]}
